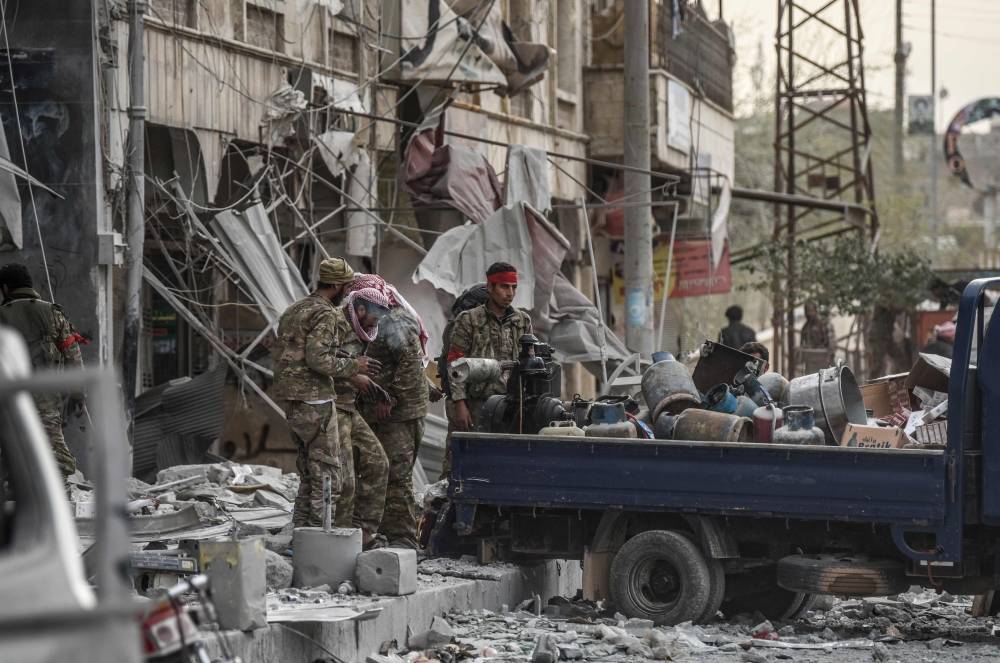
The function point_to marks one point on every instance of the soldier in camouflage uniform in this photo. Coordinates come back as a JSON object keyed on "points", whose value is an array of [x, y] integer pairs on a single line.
{"points": [[491, 330], [306, 363], [366, 468], [52, 342], [399, 427]]}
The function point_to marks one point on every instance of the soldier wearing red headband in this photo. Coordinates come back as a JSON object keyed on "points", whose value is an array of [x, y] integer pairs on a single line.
{"points": [[491, 330]]}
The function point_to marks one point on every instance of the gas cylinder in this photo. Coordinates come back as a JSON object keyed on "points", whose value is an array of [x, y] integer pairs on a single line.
{"points": [[799, 427], [763, 419]]}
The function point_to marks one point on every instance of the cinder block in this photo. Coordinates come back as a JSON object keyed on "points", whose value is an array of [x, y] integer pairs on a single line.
{"points": [[388, 572], [324, 558]]}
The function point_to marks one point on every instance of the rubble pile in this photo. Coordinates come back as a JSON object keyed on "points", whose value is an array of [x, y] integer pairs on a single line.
{"points": [[578, 630], [202, 501]]}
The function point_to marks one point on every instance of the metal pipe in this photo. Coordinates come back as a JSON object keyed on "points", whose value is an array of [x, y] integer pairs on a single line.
{"points": [[934, 99], [601, 332], [638, 266], [136, 213], [666, 279]]}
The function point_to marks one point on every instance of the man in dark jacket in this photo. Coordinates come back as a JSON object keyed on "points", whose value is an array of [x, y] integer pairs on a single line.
{"points": [[736, 334], [52, 343]]}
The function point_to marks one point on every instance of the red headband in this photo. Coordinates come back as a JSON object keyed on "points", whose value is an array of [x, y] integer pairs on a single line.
{"points": [[502, 277]]}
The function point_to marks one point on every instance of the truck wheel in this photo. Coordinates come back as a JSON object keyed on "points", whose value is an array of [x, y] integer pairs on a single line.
{"points": [[717, 580], [842, 575], [661, 576], [716, 593], [776, 604], [766, 597]]}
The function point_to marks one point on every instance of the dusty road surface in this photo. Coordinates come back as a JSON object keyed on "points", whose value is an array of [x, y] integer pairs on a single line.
{"points": [[913, 627]]}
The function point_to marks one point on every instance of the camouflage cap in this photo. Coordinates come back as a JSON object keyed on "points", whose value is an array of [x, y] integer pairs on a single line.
{"points": [[335, 271]]}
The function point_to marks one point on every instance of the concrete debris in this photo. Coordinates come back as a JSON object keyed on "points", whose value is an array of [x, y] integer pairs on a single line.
{"points": [[387, 572], [845, 631], [279, 571], [215, 498]]}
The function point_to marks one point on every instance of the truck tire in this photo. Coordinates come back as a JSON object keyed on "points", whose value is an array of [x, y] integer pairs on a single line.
{"points": [[717, 591], [661, 576], [842, 575], [717, 579], [773, 602], [776, 604]]}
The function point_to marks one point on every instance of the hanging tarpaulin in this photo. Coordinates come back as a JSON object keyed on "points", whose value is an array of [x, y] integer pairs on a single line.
{"points": [[974, 112], [342, 153], [457, 175], [459, 258], [436, 48]]}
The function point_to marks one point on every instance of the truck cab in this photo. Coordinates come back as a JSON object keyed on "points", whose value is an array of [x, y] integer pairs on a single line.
{"points": [[675, 530]]}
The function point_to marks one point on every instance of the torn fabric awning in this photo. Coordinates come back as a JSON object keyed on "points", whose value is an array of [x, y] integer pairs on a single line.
{"points": [[460, 176], [459, 258]]}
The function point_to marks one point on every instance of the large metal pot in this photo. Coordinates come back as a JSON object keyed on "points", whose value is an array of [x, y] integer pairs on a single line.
{"points": [[834, 396]]}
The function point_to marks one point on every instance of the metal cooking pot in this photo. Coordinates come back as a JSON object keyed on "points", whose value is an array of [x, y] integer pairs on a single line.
{"points": [[835, 398]]}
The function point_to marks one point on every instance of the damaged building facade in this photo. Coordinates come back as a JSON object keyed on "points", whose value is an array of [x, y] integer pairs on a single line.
{"points": [[280, 132]]}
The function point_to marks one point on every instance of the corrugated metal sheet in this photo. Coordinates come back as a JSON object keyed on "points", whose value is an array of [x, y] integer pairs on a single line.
{"points": [[176, 423]]}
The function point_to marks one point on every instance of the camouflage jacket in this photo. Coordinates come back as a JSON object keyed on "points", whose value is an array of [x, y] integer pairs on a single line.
{"points": [[306, 356], [397, 347], [52, 341], [347, 340], [480, 333]]}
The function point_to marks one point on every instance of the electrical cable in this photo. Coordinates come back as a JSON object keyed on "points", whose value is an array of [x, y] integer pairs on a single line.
{"points": [[24, 153]]}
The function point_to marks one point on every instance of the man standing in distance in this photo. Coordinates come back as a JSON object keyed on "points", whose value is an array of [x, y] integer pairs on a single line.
{"points": [[305, 366], [52, 342], [492, 330]]}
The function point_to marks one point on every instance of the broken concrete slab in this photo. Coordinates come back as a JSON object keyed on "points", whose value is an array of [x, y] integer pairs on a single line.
{"points": [[387, 572]]}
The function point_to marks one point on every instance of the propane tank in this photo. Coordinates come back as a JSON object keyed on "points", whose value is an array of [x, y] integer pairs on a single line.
{"points": [[766, 420], [799, 427]]}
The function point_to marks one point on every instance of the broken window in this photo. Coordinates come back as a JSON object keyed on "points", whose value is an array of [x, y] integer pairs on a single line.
{"points": [[344, 51], [178, 12], [265, 28]]}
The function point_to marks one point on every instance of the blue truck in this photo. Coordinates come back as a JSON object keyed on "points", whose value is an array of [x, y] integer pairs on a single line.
{"points": [[675, 530]]}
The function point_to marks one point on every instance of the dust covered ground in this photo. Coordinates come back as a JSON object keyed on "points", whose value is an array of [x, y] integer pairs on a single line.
{"points": [[918, 626]]}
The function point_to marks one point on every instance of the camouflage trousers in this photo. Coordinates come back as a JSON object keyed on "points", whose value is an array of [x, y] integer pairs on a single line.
{"points": [[50, 411], [401, 441], [318, 447], [475, 406], [362, 501]]}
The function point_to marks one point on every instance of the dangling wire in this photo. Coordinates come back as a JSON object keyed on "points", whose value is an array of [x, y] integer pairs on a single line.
{"points": [[24, 153]]}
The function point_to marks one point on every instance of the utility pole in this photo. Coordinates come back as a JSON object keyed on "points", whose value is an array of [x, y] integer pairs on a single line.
{"points": [[638, 229], [136, 218], [934, 100], [900, 59]]}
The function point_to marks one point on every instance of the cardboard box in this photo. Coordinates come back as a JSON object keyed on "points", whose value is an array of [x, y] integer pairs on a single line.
{"points": [[935, 433], [877, 399], [899, 394], [873, 437], [930, 372]]}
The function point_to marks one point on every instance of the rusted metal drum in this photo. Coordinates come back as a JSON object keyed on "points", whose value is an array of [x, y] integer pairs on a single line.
{"points": [[667, 387], [708, 426]]}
